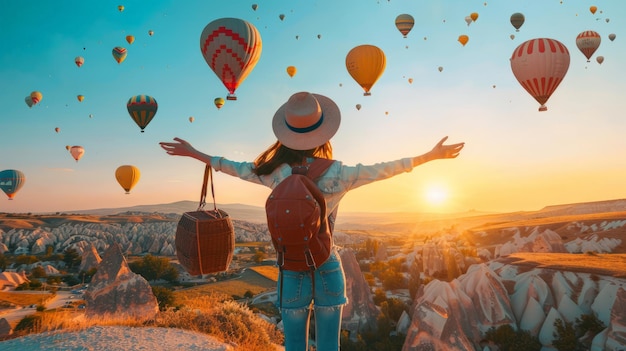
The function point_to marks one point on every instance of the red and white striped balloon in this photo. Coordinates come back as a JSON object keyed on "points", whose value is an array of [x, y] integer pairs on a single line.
{"points": [[540, 65], [231, 47], [588, 42]]}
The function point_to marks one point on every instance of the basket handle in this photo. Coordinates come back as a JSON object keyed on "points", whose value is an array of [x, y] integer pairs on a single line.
{"points": [[208, 174]]}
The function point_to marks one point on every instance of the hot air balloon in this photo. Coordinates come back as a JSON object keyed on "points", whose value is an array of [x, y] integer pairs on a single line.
{"points": [[404, 23], [90, 115], [540, 65], [410, 80], [130, 39], [600, 59], [142, 109], [29, 101], [231, 47], [612, 36], [119, 53], [512, 36], [358, 107], [79, 60], [67, 147], [80, 98], [150, 32], [588, 42], [127, 176], [254, 7], [11, 181], [77, 152], [474, 16], [593, 9], [281, 16], [366, 63], [57, 129], [291, 71], [319, 36], [517, 20], [219, 102], [36, 96], [468, 20], [191, 119], [120, 8], [463, 39]]}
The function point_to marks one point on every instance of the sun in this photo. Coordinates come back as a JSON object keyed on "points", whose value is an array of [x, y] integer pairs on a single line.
{"points": [[436, 195]]}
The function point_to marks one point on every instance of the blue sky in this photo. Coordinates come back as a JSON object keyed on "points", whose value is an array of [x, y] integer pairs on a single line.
{"points": [[515, 158]]}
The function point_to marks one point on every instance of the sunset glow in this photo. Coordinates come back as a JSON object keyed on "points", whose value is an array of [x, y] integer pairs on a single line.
{"points": [[515, 157]]}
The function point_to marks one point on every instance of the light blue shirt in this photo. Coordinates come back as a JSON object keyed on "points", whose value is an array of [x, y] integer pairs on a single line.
{"points": [[334, 183]]}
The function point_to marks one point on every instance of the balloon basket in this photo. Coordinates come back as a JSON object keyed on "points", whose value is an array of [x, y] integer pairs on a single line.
{"points": [[231, 97], [543, 108], [367, 93]]}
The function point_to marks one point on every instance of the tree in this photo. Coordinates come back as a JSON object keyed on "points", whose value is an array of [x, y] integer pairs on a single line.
{"points": [[165, 297], [154, 268], [71, 257], [393, 280], [259, 256], [38, 272], [509, 339], [3, 262], [25, 259], [565, 336]]}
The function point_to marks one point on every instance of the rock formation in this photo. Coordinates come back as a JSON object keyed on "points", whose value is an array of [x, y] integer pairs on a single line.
{"points": [[455, 315], [5, 328], [90, 259], [360, 312], [116, 291]]}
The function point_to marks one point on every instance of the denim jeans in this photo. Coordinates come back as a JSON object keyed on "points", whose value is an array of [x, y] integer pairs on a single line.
{"points": [[330, 296]]}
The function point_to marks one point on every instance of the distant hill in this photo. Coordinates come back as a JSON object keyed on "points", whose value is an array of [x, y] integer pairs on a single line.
{"points": [[236, 211], [256, 214]]}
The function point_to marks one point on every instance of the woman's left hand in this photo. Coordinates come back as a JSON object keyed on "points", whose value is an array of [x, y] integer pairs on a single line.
{"points": [[446, 151]]}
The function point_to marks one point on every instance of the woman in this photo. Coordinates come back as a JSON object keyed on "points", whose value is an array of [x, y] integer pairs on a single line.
{"points": [[304, 126]]}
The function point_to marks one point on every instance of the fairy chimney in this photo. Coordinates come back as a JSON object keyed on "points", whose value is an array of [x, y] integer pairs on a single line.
{"points": [[116, 290]]}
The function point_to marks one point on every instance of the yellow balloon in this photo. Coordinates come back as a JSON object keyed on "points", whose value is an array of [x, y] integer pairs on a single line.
{"points": [[474, 16], [593, 9], [291, 71], [219, 102], [80, 98], [130, 39], [366, 63], [127, 176]]}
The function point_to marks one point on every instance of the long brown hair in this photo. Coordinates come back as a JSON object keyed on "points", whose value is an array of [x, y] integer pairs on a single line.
{"points": [[277, 154]]}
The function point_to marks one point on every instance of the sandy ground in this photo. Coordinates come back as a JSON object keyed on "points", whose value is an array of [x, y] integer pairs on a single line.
{"points": [[117, 339]]}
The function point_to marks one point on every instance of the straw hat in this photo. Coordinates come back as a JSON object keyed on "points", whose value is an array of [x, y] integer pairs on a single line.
{"points": [[306, 121]]}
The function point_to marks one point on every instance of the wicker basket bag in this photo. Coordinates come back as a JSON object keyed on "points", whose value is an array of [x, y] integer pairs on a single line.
{"points": [[205, 240]]}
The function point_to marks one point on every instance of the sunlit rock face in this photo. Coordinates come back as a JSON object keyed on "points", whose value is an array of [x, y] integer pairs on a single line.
{"points": [[91, 259], [116, 291], [489, 297], [495, 293], [616, 332], [360, 313], [447, 314]]}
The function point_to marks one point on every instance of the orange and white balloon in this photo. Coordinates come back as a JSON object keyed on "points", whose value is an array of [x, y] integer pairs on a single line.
{"points": [[588, 42], [540, 66]]}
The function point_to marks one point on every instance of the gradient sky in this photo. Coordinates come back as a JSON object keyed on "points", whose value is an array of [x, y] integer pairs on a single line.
{"points": [[515, 157]]}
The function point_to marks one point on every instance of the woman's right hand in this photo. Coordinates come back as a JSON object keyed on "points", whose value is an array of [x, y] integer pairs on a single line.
{"points": [[179, 148]]}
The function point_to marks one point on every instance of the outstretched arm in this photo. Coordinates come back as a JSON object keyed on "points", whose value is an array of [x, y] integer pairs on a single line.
{"points": [[183, 148], [440, 151]]}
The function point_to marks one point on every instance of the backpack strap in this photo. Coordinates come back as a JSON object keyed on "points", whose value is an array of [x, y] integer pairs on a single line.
{"points": [[318, 167]]}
